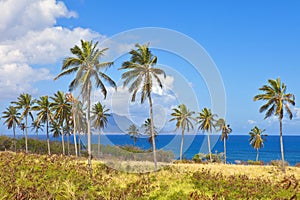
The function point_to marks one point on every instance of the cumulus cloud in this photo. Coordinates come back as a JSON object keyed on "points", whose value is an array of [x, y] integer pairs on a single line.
{"points": [[30, 38]]}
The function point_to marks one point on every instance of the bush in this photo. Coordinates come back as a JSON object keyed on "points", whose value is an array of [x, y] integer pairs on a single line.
{"points": [[6, 143], [200, 158], [252, 162], [278, 163]]}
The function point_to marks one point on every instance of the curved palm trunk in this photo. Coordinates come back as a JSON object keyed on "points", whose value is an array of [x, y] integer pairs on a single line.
{"points": [[224, 151], [26, 134], [208, 143], [48, 139], [15, 141], [181, 145], [281, 146], [74, 134], [134, 141], [152, 134], [257, 154], [89, 132], [99, 139]]}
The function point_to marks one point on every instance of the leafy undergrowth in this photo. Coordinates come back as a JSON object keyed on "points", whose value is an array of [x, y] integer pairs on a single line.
{"points": [[57, 177]]}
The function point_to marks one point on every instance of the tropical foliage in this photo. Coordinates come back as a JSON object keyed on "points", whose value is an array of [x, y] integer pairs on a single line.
{"points": [[134, 133], [206, 121], [184, 118], [277, 101], [12, 120], [140, 75], [88, 68], [257, 139], [226, 130]]}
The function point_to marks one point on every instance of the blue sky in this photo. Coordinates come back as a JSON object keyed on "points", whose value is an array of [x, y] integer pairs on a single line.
{"points": [[249, 41]]}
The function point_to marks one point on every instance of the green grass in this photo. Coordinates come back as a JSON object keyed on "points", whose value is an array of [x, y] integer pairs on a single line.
{"points": [[58, 177]]}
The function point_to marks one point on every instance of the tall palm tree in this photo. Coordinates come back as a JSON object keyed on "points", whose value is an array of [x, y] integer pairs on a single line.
{"points": [[99, 119], [257, 139], [25, 103], [184, 118], [87, 67], [277, 100], [139, 75], [44, 115], [206, 121], [226, 130], [134, 133], [62, 109], [147, 126], [12, 117], [77, 114]]}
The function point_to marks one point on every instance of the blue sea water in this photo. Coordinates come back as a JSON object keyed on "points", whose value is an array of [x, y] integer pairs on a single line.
{"points": [[238, 147]]}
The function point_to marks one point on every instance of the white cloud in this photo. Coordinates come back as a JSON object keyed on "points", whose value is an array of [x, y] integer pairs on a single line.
{"points": [[17, 78], [19, 16], [29, 37], [297, 113], [251, 122]]}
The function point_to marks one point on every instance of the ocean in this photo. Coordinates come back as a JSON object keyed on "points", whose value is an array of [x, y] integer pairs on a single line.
{"points": [[238, 147]]}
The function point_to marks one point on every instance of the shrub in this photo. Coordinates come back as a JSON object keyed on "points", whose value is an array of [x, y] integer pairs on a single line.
{"points": [[6, 143], [278, 163], [252, 162]]}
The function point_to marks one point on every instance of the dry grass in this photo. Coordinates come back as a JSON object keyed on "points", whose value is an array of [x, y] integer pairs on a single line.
{"points": [[252, 171]]}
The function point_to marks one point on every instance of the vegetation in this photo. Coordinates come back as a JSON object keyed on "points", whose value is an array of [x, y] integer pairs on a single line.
{"points": [[134, 133], [184, 118], [257, 139], [226, 130], [277, 101], [99, 119], [55, 177], [206, 121], [140, 74], [87, 67], [12, 120]]}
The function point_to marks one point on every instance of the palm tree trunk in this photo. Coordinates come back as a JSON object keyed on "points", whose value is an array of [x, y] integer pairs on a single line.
{"points": [[281, 146], [63, 140], [209, 150], [152, 134], [257, 154], [89, 132], [134, 141], [74, 134], [224, 151], [99, 138], [48, 139], [68, 142], [15, 141], [181, 145], [26, 136]]}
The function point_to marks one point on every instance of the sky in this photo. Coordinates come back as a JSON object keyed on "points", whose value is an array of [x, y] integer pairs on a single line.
{"points": [[248, 42]]}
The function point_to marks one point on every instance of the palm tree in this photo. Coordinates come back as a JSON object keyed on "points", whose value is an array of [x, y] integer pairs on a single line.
{"points": [[62, 109], [87, 66], [140, 74], [206, 121], [99, 119], [12, 117], [25, 102], [36, 126], [184, 118], [134, 133], [226, 130], [257, 139], [77, 113], [277, 101], [44, 115], [147, 126]]}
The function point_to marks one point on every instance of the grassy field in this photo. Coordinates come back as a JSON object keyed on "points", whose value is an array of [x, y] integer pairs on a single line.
{"points": [[58, 177]]}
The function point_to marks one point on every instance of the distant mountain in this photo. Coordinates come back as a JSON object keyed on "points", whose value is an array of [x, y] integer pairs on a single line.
{"points": [[117, 124]]}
